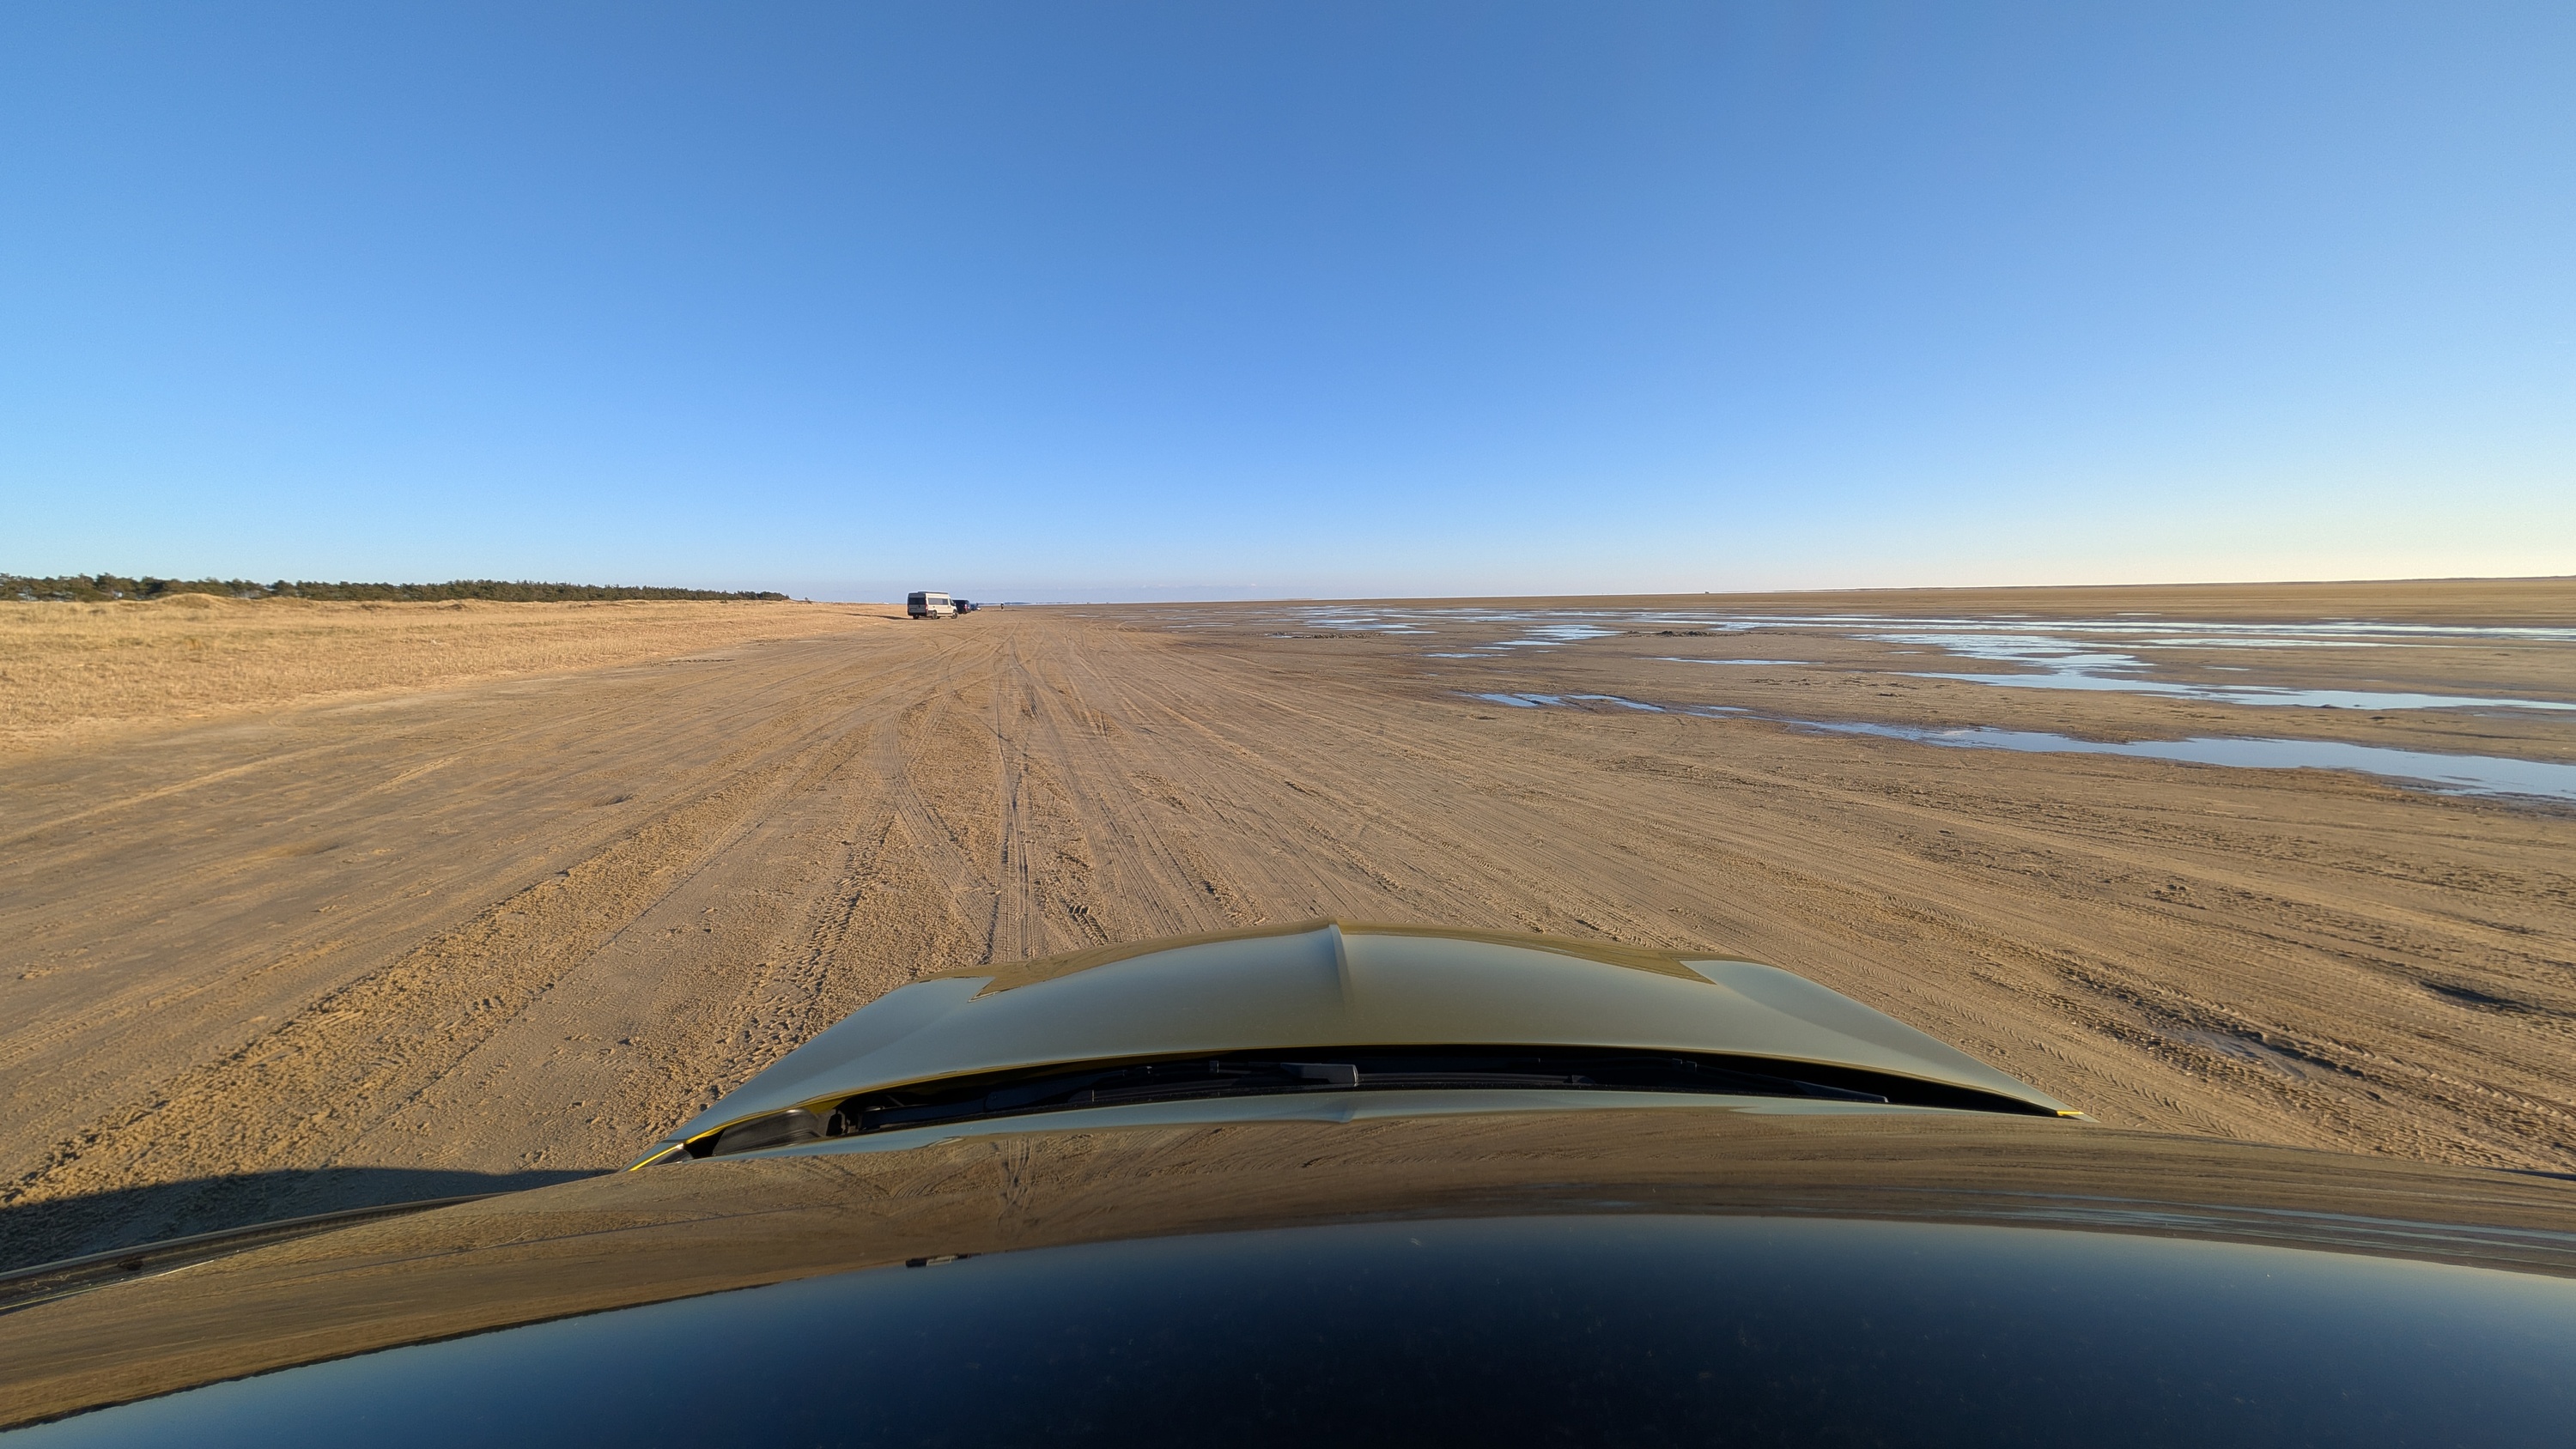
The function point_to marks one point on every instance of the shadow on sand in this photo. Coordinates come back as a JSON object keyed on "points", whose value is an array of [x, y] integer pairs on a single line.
{"points": [[43, 1232]]}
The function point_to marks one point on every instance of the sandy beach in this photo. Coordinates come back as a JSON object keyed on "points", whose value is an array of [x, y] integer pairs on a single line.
{"points": [[307, 907]]}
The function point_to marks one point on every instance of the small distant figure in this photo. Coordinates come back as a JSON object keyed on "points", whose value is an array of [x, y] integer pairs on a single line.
{"points": [[929, 604]]}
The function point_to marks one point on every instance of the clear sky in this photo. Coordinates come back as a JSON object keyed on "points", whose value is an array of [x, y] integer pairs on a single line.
{"points": [[1222, 299]]}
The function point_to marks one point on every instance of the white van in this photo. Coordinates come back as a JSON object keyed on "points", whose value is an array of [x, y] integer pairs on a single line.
{"points": [[929, 604]]}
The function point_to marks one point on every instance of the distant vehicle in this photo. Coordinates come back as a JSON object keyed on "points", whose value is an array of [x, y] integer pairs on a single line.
{"points": [[929, 604], [967, 606], [1337, 1183]]}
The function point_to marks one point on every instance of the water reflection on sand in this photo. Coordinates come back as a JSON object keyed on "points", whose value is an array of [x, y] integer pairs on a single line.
{"points": [[2113, 655], [2420, 769], [2134, 654], [2451, 774], [2062, 664]]}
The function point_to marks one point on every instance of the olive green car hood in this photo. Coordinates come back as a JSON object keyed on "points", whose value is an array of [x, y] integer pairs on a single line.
{"points": [[1324, 984]]}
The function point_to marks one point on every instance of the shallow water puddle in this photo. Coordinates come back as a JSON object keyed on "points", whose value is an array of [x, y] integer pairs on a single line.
{"points": [[1550, 635], [2247, 693], [2080, 654], [2068, 664], [2420, 769], [1543, 701], [2451, 774]]}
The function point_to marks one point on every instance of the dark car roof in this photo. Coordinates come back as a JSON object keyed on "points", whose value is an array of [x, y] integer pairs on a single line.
{"points": [[703, 1227]]}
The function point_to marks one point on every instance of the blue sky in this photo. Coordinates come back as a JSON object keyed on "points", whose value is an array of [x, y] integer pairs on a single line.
{"points": [[1068, 301]]}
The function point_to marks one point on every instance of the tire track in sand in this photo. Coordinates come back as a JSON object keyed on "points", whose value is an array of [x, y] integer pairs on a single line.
{"points": [[368, 1047]]}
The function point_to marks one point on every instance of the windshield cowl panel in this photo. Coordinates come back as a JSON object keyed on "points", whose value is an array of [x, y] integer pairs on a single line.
{"points": [[1504, 1071]]}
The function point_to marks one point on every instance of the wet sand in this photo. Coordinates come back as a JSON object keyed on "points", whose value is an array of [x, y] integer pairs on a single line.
{"points": [[497, 933]]}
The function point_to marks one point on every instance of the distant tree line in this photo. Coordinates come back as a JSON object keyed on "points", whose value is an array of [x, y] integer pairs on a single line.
{"points": [[95, 588]]}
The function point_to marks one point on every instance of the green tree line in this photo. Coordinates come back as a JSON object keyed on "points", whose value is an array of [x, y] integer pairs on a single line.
{"points": [[94, 588]]}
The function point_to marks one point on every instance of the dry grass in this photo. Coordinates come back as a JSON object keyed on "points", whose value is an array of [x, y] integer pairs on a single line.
{"points": [[72, 672]]}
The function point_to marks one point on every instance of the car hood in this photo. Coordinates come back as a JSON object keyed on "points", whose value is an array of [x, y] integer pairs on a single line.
{"points": [[1325, 984]]}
